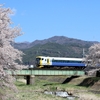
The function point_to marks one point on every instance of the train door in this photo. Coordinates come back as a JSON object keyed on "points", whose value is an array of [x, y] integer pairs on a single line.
{"points": [[48, 61]]}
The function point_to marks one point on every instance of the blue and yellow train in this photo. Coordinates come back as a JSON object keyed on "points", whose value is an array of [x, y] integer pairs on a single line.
{"points": [[59, 62]]}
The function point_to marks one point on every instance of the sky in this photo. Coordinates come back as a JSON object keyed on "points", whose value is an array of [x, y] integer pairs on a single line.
{"points": [[43, 19]]}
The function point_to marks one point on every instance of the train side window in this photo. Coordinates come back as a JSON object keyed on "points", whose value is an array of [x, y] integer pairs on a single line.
{"points": [[42, 58], [68, 61]]}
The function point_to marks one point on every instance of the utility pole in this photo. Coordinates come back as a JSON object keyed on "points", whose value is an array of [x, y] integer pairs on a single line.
{"points": [[83, 53]]}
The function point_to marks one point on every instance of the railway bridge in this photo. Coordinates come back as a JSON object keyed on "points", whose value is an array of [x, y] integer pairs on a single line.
{"points": [[30, 74]]}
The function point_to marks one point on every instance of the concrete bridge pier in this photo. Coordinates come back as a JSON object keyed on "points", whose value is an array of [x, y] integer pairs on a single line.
{"points": [[30, 79]]}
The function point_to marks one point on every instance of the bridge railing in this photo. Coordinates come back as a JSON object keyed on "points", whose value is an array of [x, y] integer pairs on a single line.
{"points": [[46, 72]]}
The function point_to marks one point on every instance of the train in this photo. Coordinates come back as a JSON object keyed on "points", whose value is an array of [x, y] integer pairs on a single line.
{"points": [[59, 62]]}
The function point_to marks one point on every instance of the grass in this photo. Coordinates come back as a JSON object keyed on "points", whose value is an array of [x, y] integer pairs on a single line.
{"points": [[35, 92]]}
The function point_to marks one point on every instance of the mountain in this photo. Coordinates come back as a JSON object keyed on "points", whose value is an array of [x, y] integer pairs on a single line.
{"points": [[55, 39], [58, 46], [21, 45]]}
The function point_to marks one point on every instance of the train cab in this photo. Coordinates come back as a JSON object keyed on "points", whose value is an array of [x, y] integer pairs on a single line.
{"points": [[42, 61]]}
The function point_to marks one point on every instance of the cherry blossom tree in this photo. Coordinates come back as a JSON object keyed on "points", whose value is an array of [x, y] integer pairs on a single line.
{"points": [[8, 54], [93, 57]]}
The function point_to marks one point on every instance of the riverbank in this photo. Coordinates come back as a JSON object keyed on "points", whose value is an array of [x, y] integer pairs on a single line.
{"points": [[86, 88]]}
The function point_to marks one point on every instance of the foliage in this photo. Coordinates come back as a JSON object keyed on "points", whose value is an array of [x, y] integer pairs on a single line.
{"points": [[8, 55]]}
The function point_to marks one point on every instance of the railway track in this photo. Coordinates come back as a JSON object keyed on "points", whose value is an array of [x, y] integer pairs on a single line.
{"points": [[55, 69]]}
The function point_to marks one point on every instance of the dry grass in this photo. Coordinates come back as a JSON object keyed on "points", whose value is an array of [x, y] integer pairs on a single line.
{"points": [[36, 96], [35, 92], [85, 96]]}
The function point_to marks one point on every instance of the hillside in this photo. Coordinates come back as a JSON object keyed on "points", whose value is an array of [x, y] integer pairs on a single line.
{"points": [[58, 46], [55, 39]]}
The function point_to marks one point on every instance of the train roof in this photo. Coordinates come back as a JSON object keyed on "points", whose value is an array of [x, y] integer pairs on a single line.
{"points": [[60, 58]]}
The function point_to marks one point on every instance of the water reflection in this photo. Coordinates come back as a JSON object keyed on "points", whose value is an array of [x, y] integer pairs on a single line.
{"points": [[61, 94]]}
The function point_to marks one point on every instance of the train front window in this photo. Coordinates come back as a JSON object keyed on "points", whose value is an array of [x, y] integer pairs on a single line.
{"points": [[37, 60]]}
